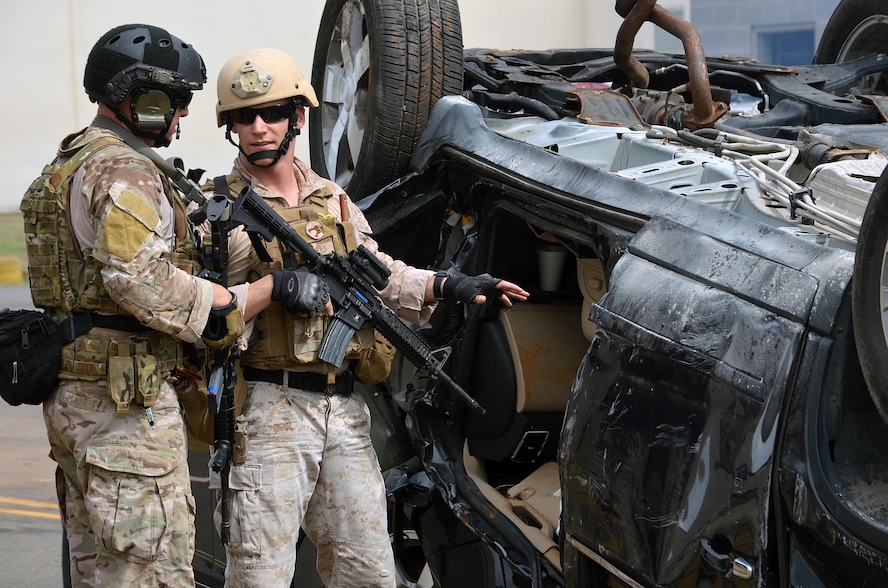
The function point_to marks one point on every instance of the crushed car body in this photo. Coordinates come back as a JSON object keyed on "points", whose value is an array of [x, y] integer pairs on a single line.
{"points": [[718, 428], [698, 398]]}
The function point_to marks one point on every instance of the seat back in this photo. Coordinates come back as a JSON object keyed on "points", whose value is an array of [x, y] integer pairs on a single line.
{"points": [[526, 360]]}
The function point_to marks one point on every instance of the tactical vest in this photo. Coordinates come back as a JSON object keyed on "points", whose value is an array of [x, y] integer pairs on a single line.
{"points": [[283, 340], [64, 282]]}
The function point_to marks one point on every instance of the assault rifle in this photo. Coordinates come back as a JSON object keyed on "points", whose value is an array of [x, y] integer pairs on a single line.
{"points": [[354, 282]]}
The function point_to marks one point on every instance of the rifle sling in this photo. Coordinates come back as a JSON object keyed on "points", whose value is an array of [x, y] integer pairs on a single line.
{"points": [[189, 189]]}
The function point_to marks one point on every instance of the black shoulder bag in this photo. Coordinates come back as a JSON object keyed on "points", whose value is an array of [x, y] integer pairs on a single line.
{"points": [[31, 351]]}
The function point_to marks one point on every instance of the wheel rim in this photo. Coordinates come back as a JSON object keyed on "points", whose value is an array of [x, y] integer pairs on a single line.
{"points": [[867, 37], [345, 93], [883, 294]]}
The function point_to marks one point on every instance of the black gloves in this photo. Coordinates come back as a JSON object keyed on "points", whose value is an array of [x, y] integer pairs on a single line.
{"points": [[224, 325], [465, 288], [300, 291]]}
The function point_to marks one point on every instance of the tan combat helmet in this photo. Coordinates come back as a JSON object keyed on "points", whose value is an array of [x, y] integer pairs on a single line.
{"points": [[259, 76]]}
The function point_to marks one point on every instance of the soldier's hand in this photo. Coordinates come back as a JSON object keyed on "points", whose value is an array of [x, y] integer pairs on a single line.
{"points": [[300, 291], [478, 289], [224, 325]]}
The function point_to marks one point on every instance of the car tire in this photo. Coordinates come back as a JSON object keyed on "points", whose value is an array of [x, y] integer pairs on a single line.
{"points": [[856, 28], [379, 67], [869, 296]]}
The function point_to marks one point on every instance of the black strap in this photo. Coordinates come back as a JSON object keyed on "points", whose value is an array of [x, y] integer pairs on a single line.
{"points": [[301, 380], [73, 327], [220, 185], [436, 285], [130, 324], [189, 188]]}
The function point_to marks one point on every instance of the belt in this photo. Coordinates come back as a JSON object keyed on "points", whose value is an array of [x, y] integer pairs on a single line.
{"points": [[301, 380], [74, 326]]}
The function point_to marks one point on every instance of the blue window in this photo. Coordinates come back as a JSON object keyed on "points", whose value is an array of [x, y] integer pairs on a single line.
{"points": [[792, 47]]}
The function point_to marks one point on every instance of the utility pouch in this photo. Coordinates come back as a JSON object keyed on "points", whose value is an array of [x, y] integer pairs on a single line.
{"points": [[304, 337], [30, 354], [375, 362], [121, 381], [147, 380], [239, 455]]}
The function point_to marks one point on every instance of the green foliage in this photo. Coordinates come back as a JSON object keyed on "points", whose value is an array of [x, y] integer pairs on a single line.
{"points": [[12, 237]]}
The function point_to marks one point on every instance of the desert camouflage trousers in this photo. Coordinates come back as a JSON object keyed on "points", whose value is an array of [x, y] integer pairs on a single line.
{"points": [[309, 462], [124, 492]]}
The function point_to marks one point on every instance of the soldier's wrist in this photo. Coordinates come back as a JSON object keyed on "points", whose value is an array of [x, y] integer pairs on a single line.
{"points": [[437, 285]]}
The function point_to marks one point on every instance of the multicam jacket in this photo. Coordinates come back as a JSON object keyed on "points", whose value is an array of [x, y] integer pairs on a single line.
{"points": [[114, 241]]}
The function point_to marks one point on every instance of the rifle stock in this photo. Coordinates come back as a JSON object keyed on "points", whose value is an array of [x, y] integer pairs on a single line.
{"points": [[354, 284]]}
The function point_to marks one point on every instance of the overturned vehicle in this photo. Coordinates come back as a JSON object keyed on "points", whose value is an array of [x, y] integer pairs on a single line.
{"points": [[695, 394]]}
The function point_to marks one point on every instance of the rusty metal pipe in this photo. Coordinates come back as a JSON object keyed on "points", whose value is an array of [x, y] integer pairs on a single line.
{"points": [[635, 13], [698, 73]]}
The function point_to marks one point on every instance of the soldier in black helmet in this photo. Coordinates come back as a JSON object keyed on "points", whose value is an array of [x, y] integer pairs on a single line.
{"points": [[109, 246]]}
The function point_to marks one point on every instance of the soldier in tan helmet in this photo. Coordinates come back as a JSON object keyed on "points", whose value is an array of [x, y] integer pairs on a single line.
{"points": [[309, 461]]}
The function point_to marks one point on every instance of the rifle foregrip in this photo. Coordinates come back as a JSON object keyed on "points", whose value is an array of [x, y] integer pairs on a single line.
{"points": [[405, 340]]}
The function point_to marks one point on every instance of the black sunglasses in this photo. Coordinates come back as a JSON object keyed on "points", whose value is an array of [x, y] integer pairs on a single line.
{"points": [[270, 114], [181, 100]]}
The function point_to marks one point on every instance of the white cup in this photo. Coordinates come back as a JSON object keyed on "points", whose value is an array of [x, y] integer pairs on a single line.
{"points": [[551, 263]]}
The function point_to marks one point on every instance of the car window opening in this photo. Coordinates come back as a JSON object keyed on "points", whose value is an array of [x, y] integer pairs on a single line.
{"points": [[525, 364]]}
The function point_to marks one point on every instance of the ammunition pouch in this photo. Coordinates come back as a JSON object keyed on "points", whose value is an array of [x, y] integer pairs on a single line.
{"points": [[105, 353], [375, 362]]}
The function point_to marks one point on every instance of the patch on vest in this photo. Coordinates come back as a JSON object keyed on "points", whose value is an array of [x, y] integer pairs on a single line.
{"points": [[315, 230]]}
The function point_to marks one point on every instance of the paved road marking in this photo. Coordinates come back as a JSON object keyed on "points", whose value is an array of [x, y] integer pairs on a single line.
{"points": [[22, 502], [29, 513], [29, 504]]}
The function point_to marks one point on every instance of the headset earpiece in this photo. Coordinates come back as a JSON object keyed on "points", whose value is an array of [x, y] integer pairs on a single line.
{"points": [[152, 111]]}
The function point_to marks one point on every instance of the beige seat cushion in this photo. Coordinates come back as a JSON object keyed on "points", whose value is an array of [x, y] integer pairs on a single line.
{"points": [[547, 344], [538, 531]]}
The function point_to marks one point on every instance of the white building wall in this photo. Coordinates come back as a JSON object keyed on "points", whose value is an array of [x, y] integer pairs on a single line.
{"points": [[45, 44]]}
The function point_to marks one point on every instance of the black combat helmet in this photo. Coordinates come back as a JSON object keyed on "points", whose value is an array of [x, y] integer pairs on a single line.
{"points": [[157, 70], [138, 55]]}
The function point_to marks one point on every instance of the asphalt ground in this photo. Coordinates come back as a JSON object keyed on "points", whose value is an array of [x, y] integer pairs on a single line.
{"points": [[30, 526]]}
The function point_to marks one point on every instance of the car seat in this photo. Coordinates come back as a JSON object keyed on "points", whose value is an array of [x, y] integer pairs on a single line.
{"points": [[526, 361]]}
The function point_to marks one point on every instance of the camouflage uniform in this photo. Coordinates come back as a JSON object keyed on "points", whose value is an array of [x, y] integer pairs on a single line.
{"points": [[309, 458], [124, 491]]}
